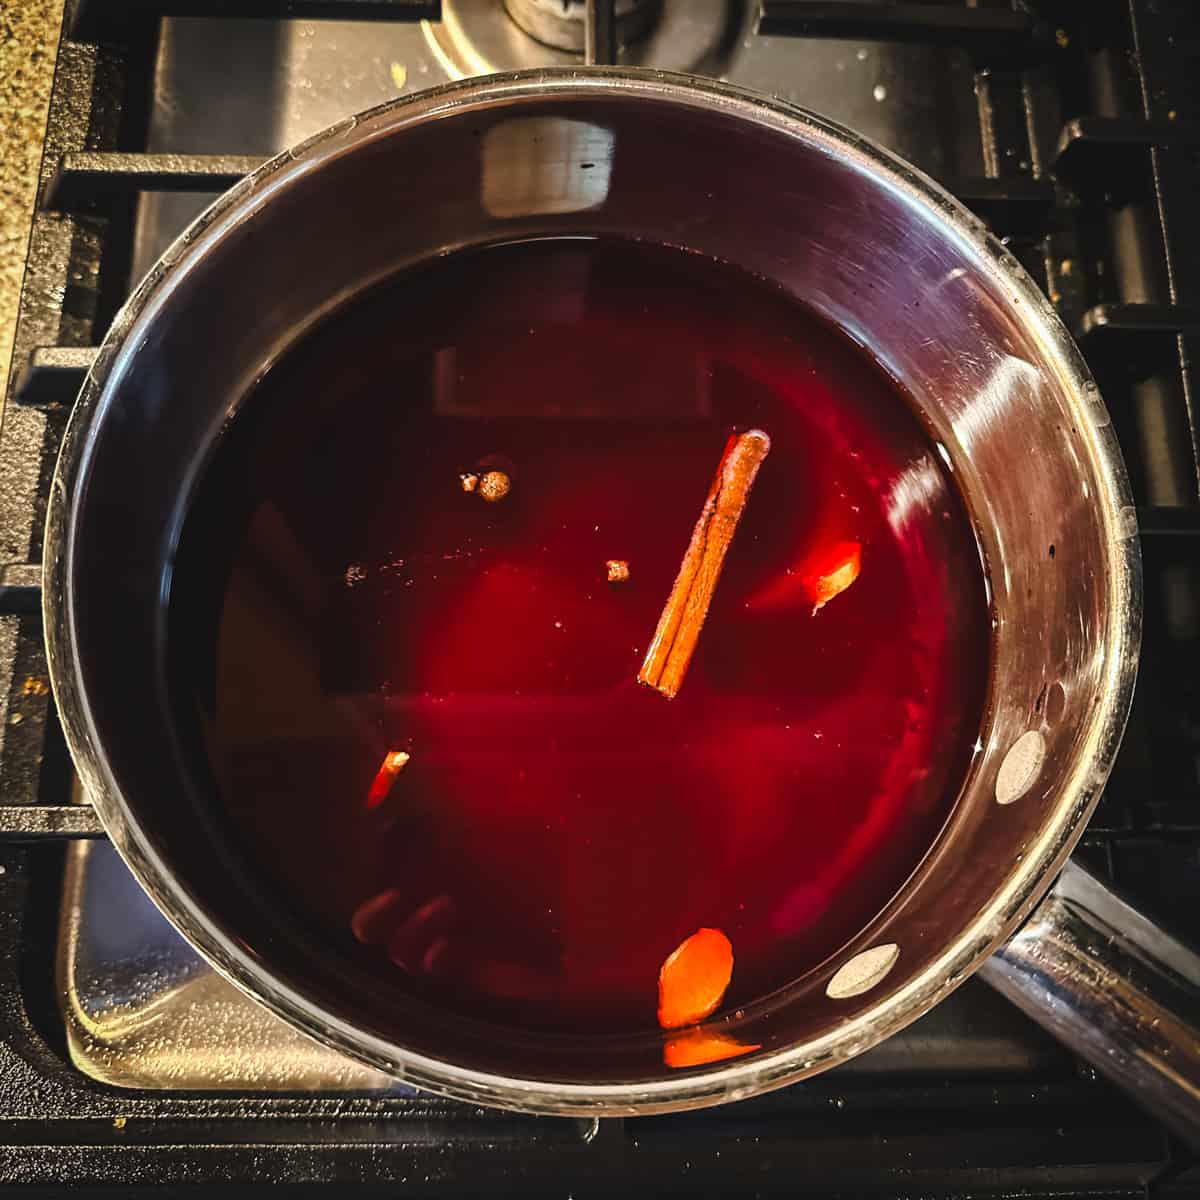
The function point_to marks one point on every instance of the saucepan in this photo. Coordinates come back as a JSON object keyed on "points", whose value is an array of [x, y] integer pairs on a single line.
{"points": [[875, 248]]}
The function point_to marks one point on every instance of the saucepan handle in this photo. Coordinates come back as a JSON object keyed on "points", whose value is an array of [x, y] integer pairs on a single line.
{"points": [[1116, 989]]}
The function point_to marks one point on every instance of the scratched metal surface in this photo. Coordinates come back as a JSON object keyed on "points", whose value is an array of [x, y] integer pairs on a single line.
{"points": [[142, 1010]]}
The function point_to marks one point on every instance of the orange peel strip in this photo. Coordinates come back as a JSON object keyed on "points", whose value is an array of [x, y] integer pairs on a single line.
{"points": [[838, 572], [393, 763], [694, 978]]}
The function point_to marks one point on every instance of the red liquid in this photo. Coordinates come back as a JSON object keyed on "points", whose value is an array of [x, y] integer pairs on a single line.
{"points": [[559, 829]]}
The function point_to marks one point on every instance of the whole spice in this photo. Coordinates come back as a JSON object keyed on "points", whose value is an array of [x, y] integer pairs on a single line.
{"points": [[494, 485], [674, 641]]}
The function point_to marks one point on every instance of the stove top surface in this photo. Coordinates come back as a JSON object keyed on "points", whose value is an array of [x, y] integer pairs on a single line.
{"points": [[126, 1058]]}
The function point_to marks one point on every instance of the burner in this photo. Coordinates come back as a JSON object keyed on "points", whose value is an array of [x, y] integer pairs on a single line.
{"points": [[480, 37], [559, 23]]}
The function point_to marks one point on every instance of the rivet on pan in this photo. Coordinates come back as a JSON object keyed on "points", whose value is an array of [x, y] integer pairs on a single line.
{"points": [[1020, 767], [862, 972]]}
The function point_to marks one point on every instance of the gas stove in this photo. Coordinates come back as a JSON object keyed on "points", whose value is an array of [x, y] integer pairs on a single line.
{"points": [[1075, 136]]}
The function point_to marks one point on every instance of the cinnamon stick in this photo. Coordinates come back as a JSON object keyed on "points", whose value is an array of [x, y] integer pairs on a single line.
{"points": [[674, 640]]}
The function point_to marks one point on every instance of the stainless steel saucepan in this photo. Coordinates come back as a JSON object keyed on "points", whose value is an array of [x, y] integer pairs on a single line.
{"points": [[870, 244]]}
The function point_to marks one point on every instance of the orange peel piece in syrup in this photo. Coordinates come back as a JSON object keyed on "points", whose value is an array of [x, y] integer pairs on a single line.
{"points": [[394, 761], [694, 978], [836, 573]]}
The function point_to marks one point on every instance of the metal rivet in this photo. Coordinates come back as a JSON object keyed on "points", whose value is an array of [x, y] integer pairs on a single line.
{"points": [[1056, 704], [862, 972], [1020, 767]]}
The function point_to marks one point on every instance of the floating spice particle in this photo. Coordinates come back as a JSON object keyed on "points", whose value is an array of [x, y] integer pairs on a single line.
{"points": [[469, 481], [393, 763], [695, 1047], [837, 571], [494, 485], [694, 978], [39, 687], [617, 570]]}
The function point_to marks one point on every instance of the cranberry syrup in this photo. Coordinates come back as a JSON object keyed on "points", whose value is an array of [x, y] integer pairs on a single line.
{"points": [[419, 683]]}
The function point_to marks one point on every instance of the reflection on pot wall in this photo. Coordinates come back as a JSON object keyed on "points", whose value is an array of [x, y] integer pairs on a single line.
{"points": [[533, 165]]}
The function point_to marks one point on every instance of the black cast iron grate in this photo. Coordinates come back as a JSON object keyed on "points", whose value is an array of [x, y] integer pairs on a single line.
{"points": [[1090, 129]]}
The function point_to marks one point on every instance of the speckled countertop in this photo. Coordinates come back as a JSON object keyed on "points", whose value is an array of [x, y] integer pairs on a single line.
{"points": [[29, 31]]}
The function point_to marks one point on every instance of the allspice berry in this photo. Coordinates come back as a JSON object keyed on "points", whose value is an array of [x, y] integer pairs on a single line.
{"points": [[494, 485]]}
